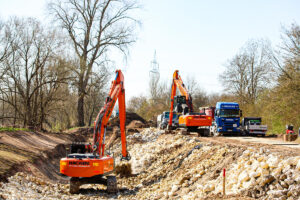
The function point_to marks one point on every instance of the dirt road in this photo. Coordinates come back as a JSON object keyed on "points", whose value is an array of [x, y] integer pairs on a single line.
{"points": [[270, 141]]}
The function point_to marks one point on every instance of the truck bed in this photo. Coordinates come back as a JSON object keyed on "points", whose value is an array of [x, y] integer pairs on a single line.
{"points": [[257, 129]]}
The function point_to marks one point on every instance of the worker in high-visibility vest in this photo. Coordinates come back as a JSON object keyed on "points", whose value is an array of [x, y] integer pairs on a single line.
{"points": [[290, 130]]}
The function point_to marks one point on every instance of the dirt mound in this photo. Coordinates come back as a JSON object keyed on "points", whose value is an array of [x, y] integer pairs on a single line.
{"points": [[84, 131], [132, 122], [129, 118], [135, 124], [35, 153]]}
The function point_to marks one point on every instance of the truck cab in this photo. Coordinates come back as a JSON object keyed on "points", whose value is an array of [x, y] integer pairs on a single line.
{"points": [[163, 120], [227, 119]]}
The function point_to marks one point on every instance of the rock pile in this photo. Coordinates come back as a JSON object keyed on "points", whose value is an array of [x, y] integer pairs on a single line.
{"points": [[22, 186], [147, 135], [263, 174], [182, 167]]}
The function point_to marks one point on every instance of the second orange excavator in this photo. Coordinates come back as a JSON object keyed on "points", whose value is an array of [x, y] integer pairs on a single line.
{"points": [[188, 119]]}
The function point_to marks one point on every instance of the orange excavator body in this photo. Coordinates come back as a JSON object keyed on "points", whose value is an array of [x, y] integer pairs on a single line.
{"points": [[87, 167], [191, 119], [194, 120], [94, 162]]}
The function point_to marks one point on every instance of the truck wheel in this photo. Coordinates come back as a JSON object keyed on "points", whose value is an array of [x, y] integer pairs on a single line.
{"points": [[216, 133], [74, 185], [169, 128], [206, 132], [201, 132], [112, 184]]}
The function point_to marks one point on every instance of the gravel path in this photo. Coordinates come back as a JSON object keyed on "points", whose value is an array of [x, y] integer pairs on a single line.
{"points": [[266, 141]]}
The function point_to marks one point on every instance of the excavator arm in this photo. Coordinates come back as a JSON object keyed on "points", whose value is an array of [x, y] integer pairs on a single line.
{"points": [[178, 83], [116, 91]]}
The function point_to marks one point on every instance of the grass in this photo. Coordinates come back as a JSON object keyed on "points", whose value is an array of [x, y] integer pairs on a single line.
{"points": [[11, 129]]}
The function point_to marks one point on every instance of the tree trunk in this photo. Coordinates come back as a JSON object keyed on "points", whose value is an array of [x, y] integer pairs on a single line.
{"points": [[80, 109], [15, 108], [91, 116], [29, 122]]}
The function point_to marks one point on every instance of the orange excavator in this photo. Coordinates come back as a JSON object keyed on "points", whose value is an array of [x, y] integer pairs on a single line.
{"points": [[188, 119], [87, 163]]}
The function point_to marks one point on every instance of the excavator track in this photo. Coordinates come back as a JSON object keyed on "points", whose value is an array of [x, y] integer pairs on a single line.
{"points": [[112, 184], [74, 185]]}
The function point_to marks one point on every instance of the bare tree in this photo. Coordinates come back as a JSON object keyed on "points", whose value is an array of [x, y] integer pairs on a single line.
{"points": [[136, 103], [249, 72], [96, 94], [288, 53], [4, 45], [235, 77], [191, 84], [260, 68], [94, 27], [154, 88], [199, 96], [32, 72], [291, 44]]}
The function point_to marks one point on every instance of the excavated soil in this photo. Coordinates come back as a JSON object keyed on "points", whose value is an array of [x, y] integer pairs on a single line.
{"points": [[173, 166], [35, 153], [129, 118]]}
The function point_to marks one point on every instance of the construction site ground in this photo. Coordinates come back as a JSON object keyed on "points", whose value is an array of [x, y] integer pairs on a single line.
{"points": [[164, 166], [270, 141]]}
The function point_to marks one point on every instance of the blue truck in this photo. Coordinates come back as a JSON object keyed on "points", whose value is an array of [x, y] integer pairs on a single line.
{"points": [[226, 119]]}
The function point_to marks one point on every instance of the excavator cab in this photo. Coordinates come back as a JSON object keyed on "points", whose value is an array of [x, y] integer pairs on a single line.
{"points": [[180, 99], [180, 105]]}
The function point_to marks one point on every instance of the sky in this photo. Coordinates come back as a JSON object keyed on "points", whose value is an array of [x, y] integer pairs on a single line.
{"points": [[196, 37]]}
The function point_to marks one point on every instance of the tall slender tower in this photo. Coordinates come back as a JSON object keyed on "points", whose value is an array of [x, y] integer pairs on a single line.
{"points": [[154, 69]]}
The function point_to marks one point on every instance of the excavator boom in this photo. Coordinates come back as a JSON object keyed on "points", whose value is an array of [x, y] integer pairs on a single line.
{"points": [[116, 91]]}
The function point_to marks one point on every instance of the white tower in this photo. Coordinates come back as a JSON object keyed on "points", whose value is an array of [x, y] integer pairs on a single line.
{"points": [[154, 69]]}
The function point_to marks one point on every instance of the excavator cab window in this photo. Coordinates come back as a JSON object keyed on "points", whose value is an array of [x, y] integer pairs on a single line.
{"points": [[180, 104], [180, 100]]}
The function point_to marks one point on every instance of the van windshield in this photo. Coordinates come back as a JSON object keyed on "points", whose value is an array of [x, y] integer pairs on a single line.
{"points": [[229, 113], [167, 115], [254, 122]]}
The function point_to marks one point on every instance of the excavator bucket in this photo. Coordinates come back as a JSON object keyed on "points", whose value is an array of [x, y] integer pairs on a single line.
{"points": [[124, 169]]}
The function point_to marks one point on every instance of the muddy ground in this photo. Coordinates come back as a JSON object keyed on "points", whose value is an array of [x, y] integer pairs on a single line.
{"points": [[171, 166]]}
